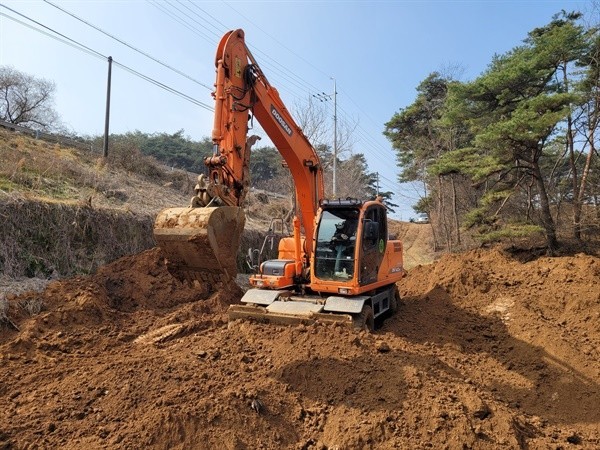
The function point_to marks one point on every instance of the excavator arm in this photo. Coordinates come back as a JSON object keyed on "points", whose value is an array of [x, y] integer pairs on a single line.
{"points": [[201, 241], [242, 93]]}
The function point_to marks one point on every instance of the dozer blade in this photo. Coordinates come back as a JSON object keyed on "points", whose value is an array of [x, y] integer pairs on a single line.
{"points": [[262, 314], [200, 243]]}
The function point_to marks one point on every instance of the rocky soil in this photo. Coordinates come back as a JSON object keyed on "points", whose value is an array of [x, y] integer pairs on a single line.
{"points": [[486, 352]]}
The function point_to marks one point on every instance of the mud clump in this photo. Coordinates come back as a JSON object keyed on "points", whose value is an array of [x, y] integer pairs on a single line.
{"points": [[485, 352]]}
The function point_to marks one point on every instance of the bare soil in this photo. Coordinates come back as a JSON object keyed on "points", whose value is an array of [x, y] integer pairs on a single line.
{"points": [[486, 352], [417, 240]]}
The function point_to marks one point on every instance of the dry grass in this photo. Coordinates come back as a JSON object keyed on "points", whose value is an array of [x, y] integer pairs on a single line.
{"points": [[47, 171], [42, 238], [32, 306]]}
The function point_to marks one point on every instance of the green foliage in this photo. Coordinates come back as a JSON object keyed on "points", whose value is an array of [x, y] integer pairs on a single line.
{"points": [[493, 196], [475, 217], [355, 179], [415, 131], [387, 201], [266, 163], [513, 113], [510, 231], [424, 205], [469, 161], [174, 150], [7, 184]]}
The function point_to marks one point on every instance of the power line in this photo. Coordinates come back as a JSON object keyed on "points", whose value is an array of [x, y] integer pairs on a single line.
{"points": [[276, 40], [218, 32], [223, 26], [193, 25], [186, 15], [79, 46], [177, 71], [56, 38], [297, 81], [311, 87], [301, 84], [164, 86], [177, 19], [294, 84], [373, 147]]}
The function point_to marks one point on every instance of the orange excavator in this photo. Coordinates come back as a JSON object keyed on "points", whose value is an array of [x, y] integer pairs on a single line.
{"points": [[338, 266]]}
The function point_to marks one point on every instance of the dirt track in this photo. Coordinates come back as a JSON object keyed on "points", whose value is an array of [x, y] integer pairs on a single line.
{"points": [[486, 352]]}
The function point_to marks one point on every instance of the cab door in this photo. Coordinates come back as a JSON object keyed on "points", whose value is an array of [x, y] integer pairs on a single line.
{"points": [[373, 242]]}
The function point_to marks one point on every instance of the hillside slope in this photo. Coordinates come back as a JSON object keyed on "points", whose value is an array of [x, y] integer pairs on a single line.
{"points": [[68, 211]]}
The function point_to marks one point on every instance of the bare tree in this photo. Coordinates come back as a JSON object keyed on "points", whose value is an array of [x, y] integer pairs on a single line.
{"points": [[312, 116], [27, 100]]}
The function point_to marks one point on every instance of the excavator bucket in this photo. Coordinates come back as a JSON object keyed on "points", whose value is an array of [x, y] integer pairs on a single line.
{"points": [[200, 244]]}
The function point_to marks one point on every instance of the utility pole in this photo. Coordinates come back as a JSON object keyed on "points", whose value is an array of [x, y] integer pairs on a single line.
{"points": [[107, 118], [335, 149], [323, 97], [377, 185]]}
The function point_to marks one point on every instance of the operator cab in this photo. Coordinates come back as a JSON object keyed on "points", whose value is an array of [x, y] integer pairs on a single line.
{"points": [[351, 240], [336, 244]]}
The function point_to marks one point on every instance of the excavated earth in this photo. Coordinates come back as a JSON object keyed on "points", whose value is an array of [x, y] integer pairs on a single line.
{"points": [[486, 352]]}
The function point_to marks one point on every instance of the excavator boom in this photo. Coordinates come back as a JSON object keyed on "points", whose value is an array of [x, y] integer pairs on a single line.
{"points": [[201, 242]]}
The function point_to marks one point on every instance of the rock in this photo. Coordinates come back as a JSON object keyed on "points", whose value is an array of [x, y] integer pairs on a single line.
{"points": [[482, 412], [247, 359], [383, 347]]}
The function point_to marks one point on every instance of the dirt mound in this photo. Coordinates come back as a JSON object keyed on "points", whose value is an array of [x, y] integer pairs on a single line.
{"points": [[132, 290], [486, 352]]}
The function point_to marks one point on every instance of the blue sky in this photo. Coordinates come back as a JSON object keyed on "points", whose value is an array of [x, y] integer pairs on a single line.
{"points": [[378, 52]]}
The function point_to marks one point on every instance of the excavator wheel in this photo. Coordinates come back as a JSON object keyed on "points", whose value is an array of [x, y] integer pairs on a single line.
{"points": [[200, 244], [365, 320]]}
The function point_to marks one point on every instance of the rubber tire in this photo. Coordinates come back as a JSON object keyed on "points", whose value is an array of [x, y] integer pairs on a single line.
{"points": [[365, 320]]}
